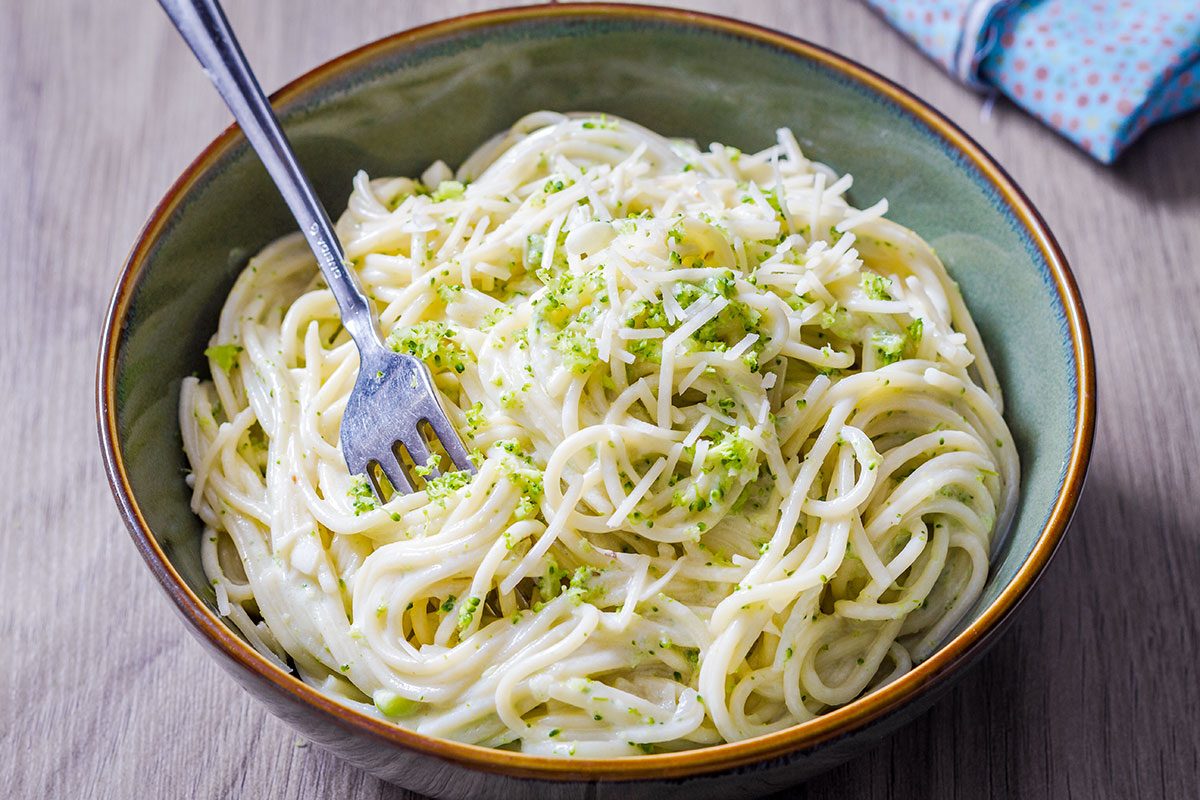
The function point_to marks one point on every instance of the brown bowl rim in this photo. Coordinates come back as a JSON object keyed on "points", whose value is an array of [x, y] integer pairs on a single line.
{"points": [[841, 722]]}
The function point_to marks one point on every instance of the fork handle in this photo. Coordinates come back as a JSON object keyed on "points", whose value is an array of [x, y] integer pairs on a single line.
{"points": [[203, 25]]}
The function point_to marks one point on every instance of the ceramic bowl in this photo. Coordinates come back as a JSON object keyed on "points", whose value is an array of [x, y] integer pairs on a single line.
{"points": [[394, 106]]}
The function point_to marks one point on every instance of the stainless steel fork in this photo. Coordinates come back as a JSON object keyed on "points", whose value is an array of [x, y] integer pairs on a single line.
{"points": [[394, 402]]}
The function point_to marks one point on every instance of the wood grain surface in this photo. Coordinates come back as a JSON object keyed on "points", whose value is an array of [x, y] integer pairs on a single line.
{"points": [[1094, 692]]}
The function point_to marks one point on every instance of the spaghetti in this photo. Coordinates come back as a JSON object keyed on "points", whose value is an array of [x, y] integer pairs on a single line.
{"points": [[741, 454]]}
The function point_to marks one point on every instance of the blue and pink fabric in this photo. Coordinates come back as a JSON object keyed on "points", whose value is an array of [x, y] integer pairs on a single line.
{"points": [[1100, 72]]}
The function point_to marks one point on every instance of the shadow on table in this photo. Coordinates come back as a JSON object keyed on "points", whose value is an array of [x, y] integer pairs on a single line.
{"points": [[1144, 170]]}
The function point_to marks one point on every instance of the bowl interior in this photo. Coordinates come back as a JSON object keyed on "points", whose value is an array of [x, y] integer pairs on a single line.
{"points": [[393, 109]]}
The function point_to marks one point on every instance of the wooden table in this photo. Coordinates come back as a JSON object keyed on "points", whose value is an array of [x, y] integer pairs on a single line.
{"points": [[1095, 691]]}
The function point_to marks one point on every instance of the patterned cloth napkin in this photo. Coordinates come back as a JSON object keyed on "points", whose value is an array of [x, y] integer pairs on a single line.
{"points": [[1099, 72]]}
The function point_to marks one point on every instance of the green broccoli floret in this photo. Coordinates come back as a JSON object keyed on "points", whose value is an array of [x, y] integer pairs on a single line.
{"points": [[433, 342], [915, 331], [723, 283], [734, 452], [429, 467], [443, 486], [876, 286], [578, 349], [448, 190], [475, 419], [889, 347], [224, 355], [467, 612], [495, 315], [448, 293], [837, 321], [579, 591], [362, 495], [564, 312]]}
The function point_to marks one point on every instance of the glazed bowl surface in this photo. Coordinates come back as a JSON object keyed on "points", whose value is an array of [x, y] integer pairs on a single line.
{"points": [[396, 105]]}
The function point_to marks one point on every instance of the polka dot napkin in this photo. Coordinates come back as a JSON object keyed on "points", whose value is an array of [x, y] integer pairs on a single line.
{"points": [[1099, 72]]}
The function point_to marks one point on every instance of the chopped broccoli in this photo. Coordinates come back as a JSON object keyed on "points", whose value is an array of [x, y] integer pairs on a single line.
{"points": [[915, 331], [889, 347], [430, 466], [475, 419], [448, 190], [362, 495], [433, 342], [876, 286], [443, 486], [495, 315], [224, 355], [467, 612]]}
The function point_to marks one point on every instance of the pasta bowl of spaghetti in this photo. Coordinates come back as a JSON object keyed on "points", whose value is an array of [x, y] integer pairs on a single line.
{"points": [[779, 394]]}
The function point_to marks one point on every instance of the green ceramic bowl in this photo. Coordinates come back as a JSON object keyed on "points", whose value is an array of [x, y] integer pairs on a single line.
{"points": [[394, 106]]}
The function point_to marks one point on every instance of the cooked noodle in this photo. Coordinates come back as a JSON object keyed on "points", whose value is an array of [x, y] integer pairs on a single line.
{"points": [[741, 454]]}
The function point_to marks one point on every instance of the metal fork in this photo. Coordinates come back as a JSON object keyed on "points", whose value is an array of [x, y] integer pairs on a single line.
{"points": [[394, 398]]}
